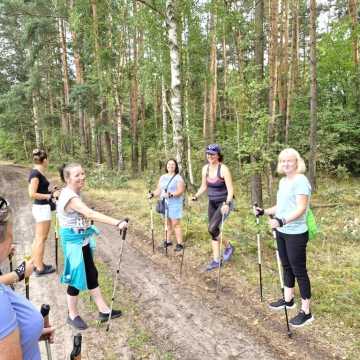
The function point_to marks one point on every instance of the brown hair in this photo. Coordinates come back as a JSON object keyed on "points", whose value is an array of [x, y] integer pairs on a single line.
{"points": [[5, 217], [64, 170], [39, 156]]}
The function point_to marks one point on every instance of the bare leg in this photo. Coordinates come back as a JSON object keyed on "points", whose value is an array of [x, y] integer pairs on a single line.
{"points": [[289, 293], [176, 225], [41, 233], [305, 305], [99, 300], [72, 306]]}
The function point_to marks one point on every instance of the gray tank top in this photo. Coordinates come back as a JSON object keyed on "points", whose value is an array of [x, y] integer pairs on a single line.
{"points": [[71, 219]]}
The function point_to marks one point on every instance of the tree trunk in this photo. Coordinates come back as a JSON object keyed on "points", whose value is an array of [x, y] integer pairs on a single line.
{"points": [[103, 111], [175, 82], [256, 181], [213, 75], [205, 113], [293, 69], [79, 81], [164, 116], [36, 121], [65, 123], [353, 12], [313, 95]]}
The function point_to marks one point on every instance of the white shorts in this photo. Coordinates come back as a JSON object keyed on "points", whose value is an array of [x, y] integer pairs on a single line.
{"points": [[41, 212]]}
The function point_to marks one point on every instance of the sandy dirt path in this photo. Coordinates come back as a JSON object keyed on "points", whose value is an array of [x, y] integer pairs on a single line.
{"points": [[183, 318]]}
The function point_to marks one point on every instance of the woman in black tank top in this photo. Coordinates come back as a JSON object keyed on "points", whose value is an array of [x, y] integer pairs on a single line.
{"points": [[41, 196], [216, 179]]}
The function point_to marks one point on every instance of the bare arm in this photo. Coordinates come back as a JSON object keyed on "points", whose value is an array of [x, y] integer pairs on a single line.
{"points": [[228, 182], [10, 348], [301, 206], [77, 205], [33, 187], [12, 277], [180, 188], [158, 189], [270, 211], [203, 186]]}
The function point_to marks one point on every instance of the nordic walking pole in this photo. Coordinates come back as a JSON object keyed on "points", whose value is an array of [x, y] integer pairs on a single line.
{"points": [[220, 260], [56, 245], [10, 262], [289, 333], [11, 268], [152, 224], [45, 314], [76, 351], [27, 281], [259, 253], [166, 226], [123, 233], [184, 243]]}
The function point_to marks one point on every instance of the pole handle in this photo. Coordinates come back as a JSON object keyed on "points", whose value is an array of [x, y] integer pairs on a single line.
{"points": [[45, 309]]}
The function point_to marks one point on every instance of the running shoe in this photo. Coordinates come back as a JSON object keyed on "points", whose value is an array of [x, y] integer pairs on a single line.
{"points": [[301, 319], [281, 303], [229, 250]]}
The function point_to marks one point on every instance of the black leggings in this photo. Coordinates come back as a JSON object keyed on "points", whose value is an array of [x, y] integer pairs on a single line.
{"points": [[215, 216], [90, 270], [292, 251]]}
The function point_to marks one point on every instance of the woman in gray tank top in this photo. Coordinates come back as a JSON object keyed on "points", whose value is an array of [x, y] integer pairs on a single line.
{"points": [[76, 233]]}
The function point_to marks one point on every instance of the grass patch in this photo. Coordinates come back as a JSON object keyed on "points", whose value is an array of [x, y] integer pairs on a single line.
{"points": [[333, 257]]}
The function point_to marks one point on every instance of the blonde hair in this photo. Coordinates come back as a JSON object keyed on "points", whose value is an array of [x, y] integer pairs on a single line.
{"points": [[300, 166]]}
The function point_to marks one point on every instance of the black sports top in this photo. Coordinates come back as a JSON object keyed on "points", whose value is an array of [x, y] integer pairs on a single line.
{"points": [[43, 187]]}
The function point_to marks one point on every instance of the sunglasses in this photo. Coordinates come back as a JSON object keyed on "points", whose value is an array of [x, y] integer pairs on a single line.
{"points": [[4, 210]]}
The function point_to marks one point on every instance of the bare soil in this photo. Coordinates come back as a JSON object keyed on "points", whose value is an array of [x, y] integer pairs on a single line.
{"points": [[181, 314]]}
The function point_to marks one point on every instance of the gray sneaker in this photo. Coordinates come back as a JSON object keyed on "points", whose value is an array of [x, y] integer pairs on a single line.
{"points": [[77, 323], [48, 269]]}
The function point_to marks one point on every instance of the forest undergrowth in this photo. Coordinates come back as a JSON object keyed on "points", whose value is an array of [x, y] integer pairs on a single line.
{"points": [[333, 257]]}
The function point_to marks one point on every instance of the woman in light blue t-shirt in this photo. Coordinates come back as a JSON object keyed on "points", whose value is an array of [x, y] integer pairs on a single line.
{"points": [[21, 324], [292, 202], [171, 187]]}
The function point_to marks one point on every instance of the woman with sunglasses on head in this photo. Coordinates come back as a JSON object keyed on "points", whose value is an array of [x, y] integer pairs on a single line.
{"points": [[77, 241], [216, 179], [21, 324], [171, 186], [41, 209]]}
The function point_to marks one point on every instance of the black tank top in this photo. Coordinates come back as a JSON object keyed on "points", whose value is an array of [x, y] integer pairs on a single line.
{"points": [[43, 187], [217, 190]]}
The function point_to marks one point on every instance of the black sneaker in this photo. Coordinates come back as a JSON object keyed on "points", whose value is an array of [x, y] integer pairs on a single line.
{"points": [[280, 304], [48, 269], [167, 243], [301, 319], [77, 323], [179, 247], [103, 317]]}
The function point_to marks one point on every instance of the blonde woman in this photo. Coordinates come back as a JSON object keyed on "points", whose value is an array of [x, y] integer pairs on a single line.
{"points": [[41, 210], [289, 221]]}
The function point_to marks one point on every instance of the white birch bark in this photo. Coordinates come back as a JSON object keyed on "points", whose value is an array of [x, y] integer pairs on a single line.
{"points": [[175, 81]]}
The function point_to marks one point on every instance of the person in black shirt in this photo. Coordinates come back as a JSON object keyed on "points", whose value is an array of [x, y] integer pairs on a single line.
{"points": [[41, 210]]}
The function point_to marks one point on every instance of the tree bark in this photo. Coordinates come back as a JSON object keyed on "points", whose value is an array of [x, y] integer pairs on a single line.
{"points": [[36, 121], [213, 75], [313, 95], [164, 116], [176, 104], [65, 123], [256, 181], [353, 12]]}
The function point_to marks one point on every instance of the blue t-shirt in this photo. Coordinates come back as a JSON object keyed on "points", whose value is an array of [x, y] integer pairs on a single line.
{"points": [[286, 203], [172, 187], [18, 312]]}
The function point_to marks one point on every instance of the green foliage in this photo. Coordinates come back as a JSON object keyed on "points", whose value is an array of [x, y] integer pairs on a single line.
{"points": [[100, 178]]}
